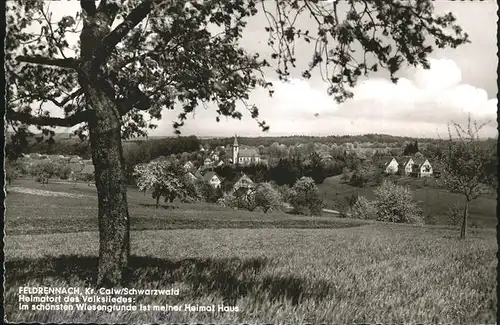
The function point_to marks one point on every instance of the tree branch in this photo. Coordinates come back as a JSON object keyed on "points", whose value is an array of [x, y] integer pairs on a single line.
{"points": [[69, 63], [27, 118], [104, 50], [65, 100], [134, 96]]}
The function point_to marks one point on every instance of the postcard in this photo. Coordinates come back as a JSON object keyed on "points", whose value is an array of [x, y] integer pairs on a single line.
{"points": [[250, 162]]}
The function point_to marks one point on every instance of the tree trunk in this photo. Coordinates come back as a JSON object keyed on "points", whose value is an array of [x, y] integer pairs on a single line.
{"points": [[110, 182], [107, 155], [157, 202], [463, 228]]}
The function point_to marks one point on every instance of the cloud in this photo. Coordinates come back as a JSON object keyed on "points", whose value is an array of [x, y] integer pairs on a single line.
{"points": [[420, 105]]}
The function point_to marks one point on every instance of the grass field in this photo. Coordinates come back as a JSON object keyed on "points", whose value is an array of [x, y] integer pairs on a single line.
{"points": [[277, 268], [434, 202]]}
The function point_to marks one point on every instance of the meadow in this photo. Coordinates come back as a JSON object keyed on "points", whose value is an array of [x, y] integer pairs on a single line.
{"points": [[434, 202], [277, 268]]}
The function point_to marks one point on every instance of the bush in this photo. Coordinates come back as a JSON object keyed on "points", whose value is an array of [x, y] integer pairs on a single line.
{"points": [[266, 197], [285, 193], [362, 209], [64, 172], [455, 214], [240, 202], [228, 201], [45, 170], [394, 203], [305, 198], [11, 171], [207, 192], [351, 199]]}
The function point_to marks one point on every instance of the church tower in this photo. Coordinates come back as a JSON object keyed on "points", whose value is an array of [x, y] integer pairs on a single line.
{"points": [[235, 150]]}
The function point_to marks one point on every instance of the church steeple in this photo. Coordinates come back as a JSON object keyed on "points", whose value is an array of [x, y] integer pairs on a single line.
{"points": [[235, 150]]}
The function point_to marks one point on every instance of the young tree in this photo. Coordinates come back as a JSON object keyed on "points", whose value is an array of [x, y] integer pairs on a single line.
{"points": [[163, 179], [362, 209], [464, 165], [135, 58], [394, 203], [305, 198], [45, 170], [266, 197], [209, 193]]}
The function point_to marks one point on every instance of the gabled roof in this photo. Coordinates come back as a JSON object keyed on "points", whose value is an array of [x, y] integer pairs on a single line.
{"points": [[244, 179], [388, 161], [248, 152], [209, 175], [419, 161], [191, 175], [403, 161]]}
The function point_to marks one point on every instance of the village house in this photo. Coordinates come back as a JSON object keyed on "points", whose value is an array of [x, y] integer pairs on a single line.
{"points": [[405, 166], [189, 166], [191, 176], [243, 184], [212, 178], [422, 168], [207, 162], [391, 166], [214, 156]]}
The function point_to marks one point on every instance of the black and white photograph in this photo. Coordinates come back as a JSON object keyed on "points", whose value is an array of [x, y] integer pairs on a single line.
{"points": [[250, 162]]}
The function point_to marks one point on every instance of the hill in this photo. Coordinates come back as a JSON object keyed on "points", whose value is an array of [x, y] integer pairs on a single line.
{"points": [[435, 203]]}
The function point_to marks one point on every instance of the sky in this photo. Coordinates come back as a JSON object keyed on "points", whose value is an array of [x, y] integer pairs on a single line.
{"points": [[421, 104]]}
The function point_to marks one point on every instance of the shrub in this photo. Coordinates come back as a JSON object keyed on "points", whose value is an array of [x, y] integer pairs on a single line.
{"points": [[237, 202], [45, 170], [285, 193], [228, 201], [362, 209], [267, 197], [207, 192], [305, 198], [64, 172], [11, 171], [394, 203], [350, 200], [455, 214]]}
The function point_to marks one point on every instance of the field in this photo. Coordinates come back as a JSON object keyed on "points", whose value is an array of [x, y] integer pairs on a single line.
{"points": [[276, 268], [434, 202]]}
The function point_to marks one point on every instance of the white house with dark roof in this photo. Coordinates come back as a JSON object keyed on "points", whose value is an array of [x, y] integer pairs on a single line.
{"points": [[189, 166], [244, 184], [406, 165], [245, 155], [422, 168], [391, 166], [191, 176], [212, 178]]}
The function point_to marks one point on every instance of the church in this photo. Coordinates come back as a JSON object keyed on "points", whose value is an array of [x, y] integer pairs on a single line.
{"points": [[243, 156]]}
